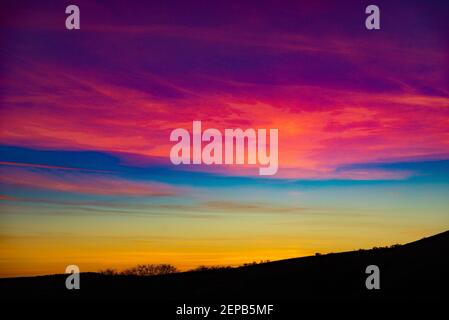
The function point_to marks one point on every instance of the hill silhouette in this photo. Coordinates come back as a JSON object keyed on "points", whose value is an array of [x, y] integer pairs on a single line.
{"points": [[417, 270]]}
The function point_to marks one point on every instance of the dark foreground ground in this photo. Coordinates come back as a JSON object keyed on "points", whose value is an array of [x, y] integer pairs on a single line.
{"points": [[418, 270]]}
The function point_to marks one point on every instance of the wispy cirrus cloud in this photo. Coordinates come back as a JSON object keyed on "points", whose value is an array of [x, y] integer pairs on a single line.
{"points": [[44, 166], [348, 127], [83, 183]]}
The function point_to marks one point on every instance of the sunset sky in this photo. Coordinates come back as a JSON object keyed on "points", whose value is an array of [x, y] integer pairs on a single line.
{"points": [[86, 116]]}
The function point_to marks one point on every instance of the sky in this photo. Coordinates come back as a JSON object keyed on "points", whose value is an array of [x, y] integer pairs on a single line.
{"points": [[86, 116]]}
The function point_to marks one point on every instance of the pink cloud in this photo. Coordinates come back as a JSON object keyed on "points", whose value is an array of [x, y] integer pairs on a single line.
{"points": [[84, 183], [348, 128], [41, 166]]}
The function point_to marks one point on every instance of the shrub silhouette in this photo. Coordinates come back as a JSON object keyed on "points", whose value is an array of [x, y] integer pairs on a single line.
{"points": [[248, 264], [108, 272], [209, 268], [150, 270]]}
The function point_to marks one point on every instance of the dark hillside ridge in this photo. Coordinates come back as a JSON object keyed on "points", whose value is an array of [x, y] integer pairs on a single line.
{"points": [[417, 270]]}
